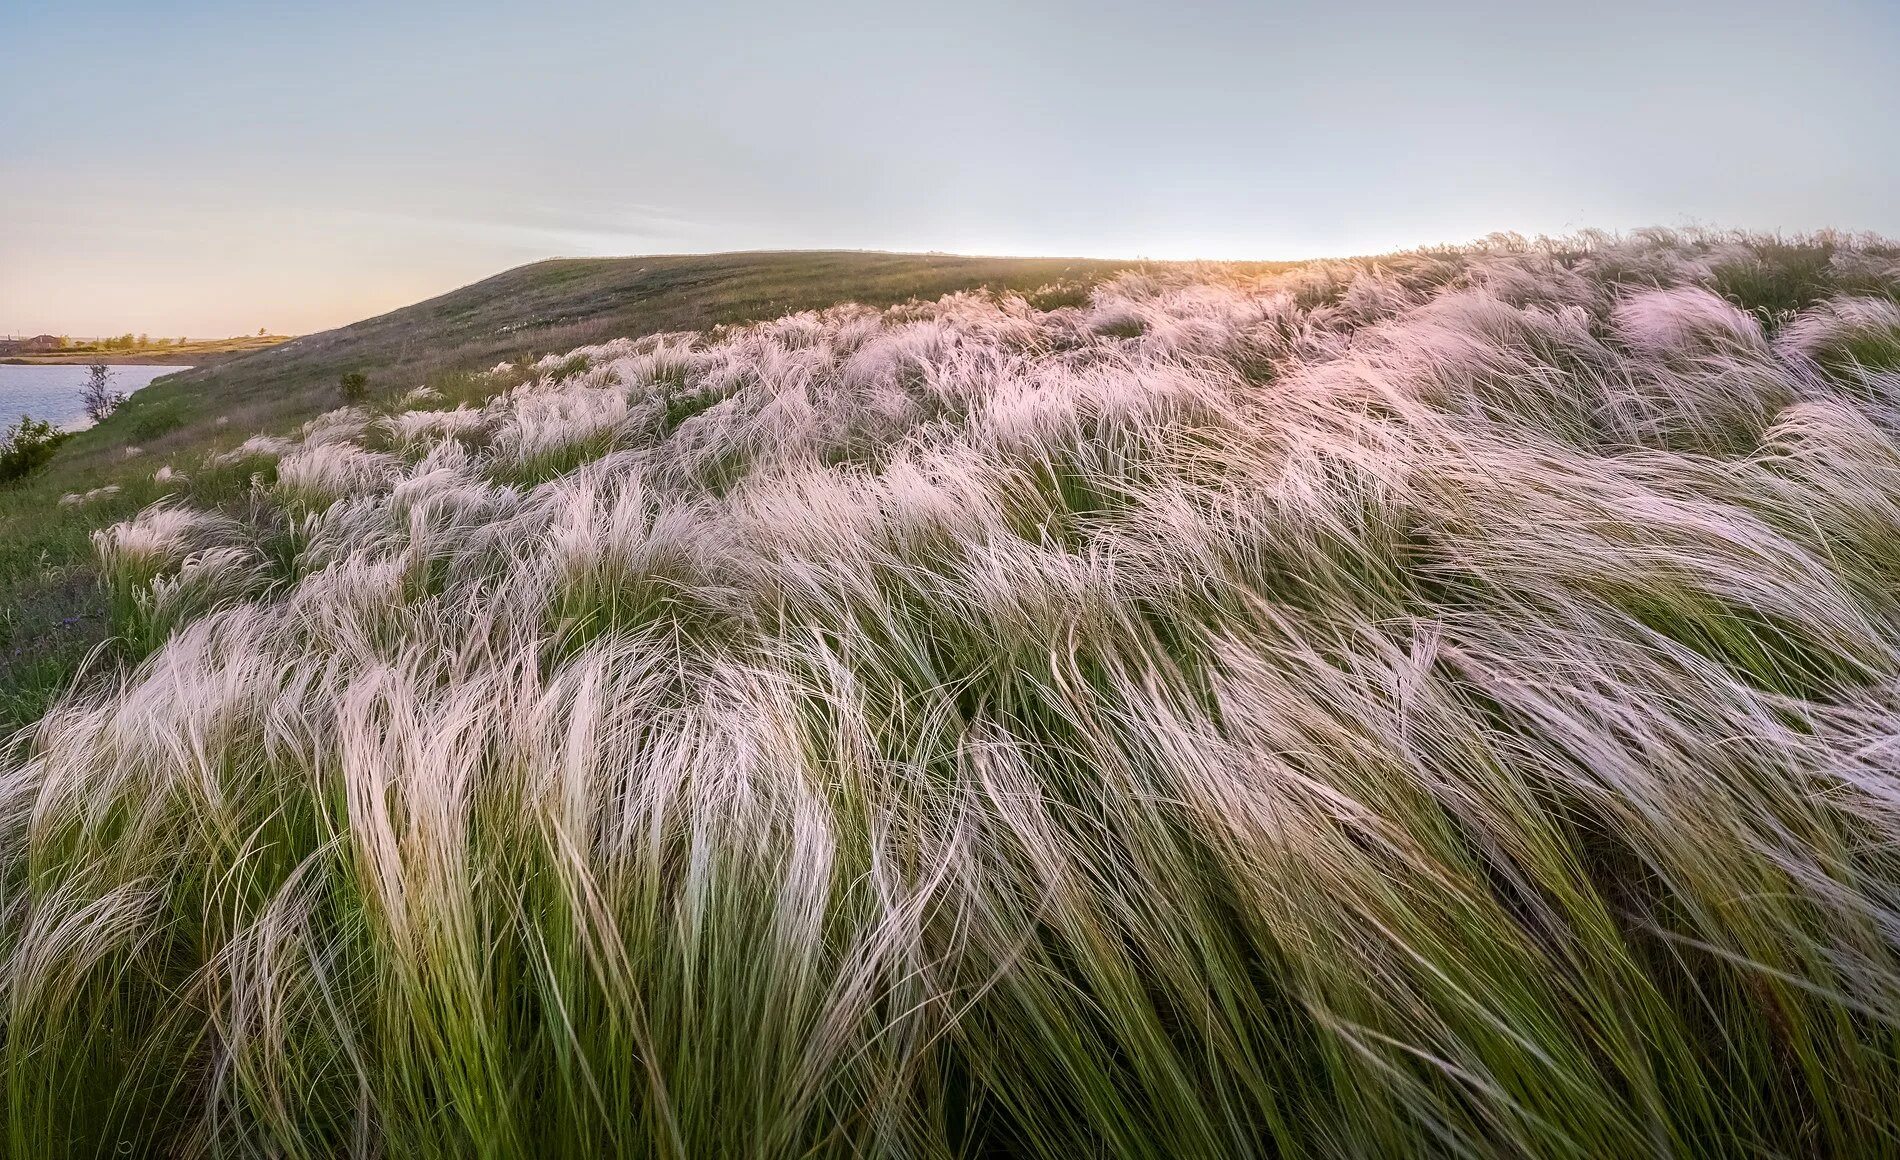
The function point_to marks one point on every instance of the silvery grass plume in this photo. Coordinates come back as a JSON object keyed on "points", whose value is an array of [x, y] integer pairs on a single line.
{"points": [[1445, 705]]}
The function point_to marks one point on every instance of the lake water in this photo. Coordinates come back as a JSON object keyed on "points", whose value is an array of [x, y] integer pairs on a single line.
{"points": [[51, 391]]}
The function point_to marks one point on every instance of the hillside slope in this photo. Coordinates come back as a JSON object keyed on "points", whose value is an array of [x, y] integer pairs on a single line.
{"points": [[1436, 706], [50, 614], [564, 303]]}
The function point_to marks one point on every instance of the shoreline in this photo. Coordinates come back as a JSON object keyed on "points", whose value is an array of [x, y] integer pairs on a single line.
{"points": [[195, 354], [31, 361]]}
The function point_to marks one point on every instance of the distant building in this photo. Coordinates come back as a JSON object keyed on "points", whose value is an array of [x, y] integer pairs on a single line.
{"points": [[38, 344]]}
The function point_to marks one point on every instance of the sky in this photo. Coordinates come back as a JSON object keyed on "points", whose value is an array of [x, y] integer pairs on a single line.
{"points": [[208, 168]]}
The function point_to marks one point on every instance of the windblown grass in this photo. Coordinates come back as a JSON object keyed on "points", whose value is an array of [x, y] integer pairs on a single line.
{"points": [[1440, 706]]}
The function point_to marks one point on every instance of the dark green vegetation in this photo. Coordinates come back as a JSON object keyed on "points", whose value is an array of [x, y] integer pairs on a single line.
{"points": [[26, 447]]}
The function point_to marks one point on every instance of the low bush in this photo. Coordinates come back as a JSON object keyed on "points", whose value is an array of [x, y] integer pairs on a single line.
{"points": [[26, 446]]}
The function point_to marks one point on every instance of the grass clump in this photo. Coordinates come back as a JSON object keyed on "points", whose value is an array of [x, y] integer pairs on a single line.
{"points": [[1445, 715], [148, 423]]}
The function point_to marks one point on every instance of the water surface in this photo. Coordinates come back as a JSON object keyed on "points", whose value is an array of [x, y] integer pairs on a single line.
{"points": [[51, 391]]}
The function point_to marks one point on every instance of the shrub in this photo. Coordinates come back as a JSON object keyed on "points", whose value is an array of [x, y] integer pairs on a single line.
{"points": [[354, 387], [26, 446], [98, 397]]}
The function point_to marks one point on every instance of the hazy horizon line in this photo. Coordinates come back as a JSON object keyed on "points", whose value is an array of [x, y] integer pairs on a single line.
{"points": [[1536, 239]]}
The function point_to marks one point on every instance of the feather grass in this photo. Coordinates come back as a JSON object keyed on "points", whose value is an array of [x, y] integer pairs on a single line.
{"points": [[1439, 706]]}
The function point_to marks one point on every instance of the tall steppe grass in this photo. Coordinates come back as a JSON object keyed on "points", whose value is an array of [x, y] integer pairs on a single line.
{"points": [[1446, 705]]}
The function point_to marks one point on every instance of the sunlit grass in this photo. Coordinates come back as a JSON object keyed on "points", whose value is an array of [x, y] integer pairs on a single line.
{"points": [[1441, 706]]}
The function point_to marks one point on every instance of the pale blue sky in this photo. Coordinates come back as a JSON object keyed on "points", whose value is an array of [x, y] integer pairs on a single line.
{"points": [[212, 167]]}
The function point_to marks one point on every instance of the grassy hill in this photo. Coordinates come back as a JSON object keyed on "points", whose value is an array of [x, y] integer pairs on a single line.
{"points": [[564, 303], [51, 613], [1443, 705]]}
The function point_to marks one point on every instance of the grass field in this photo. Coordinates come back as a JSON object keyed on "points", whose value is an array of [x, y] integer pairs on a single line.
{"points": [[52, 613], [1443, 704]]}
